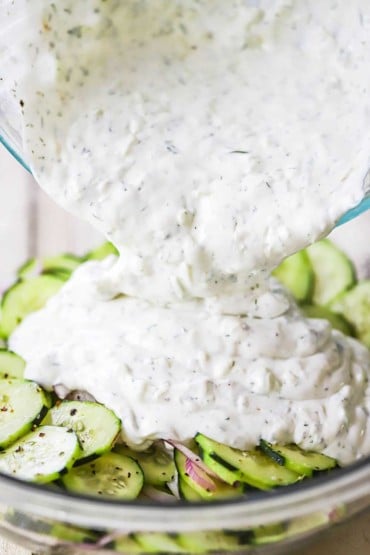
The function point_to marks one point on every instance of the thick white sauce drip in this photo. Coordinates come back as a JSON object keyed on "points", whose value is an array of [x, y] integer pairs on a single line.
{"points": [[208, 140]]}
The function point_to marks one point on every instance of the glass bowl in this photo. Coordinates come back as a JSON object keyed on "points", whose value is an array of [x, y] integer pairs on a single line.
{"points": [[46, 520], [52, 522]]}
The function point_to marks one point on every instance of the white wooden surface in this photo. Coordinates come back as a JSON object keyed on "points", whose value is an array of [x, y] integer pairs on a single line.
{"points": [[30, 224]]}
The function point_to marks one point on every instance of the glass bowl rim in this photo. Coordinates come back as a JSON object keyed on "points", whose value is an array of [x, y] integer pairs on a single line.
{"points": [[325, 492]]}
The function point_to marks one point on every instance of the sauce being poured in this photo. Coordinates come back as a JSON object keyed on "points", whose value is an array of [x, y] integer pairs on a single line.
{"points": [[208, 141]]}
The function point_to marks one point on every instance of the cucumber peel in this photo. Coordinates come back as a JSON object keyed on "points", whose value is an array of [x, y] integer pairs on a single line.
{"points": [[22, 404], [251, 467], [42, 455], [294, 458], [96, 426], [25, 297], [101, 252], [110, 476], [156, 463]]}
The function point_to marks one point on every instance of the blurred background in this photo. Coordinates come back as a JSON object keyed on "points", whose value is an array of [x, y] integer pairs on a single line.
{"points": [[31, 224]]}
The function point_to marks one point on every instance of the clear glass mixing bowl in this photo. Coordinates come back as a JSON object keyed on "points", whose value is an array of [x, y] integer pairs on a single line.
{"points": [[47, 520]]}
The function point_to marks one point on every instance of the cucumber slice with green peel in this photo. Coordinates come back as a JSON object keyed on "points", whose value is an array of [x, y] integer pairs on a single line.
{"points": [[29, 269], [307, 523], [354, 305], [271, 533], [334, 272], [72, 534], [22, 405], [212, 541], [101, 252], [227, 472], [96, 426], [156, 542], [127, 545], [216, 489], [25, 297], [337, 321], [59, 273], [296, 459], [186, 492], [61, 265], [110, 476], [65, 262], [251, 467], [11, 364], [41, 456], [156, 463], [297, 275], [220, 469]]}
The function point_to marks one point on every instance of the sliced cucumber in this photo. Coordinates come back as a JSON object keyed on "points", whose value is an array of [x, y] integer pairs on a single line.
{"points": [[95, 425], [156, 463], [111, 475], [127, 545], [64, 532], [297, 275], [186, 492], [302, 524], [22, 404], [226, 472], [65, 262], [294, 458], [61, 265], [101, 252], [29, 269], [156, 542], [73, 534], [334, 272], [42, 455], [11, 365], [210, 541], [271, 533], [354, 305], [337, 321], [219, 489], [25, 297], [251, 467]]}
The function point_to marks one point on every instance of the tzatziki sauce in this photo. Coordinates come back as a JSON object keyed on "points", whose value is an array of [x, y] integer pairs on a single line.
{"points": [[207, 140]]}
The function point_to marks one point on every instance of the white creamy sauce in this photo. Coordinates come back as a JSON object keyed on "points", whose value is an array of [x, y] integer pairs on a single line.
{"points": [[208, 140]]}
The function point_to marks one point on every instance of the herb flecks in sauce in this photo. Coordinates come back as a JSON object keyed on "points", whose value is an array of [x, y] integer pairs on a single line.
{"points": [[208, 140]]}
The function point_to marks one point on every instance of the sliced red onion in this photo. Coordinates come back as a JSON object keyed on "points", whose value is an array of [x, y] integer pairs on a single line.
{"points": [[157, 495], [198, 476], [188, 453], [109, 538]]}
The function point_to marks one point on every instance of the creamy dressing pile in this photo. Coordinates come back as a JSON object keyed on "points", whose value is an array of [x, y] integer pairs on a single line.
{"points": [[207, 140]]}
